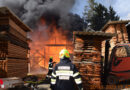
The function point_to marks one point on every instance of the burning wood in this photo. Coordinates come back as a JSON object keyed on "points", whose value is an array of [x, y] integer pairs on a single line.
{"points": [[48, 41]]}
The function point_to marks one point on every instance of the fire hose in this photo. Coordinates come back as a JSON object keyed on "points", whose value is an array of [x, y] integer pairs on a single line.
{"points": [[32, 82]]}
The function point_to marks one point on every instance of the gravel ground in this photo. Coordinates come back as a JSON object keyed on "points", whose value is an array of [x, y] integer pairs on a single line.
{"points": [[47, 87], [40, 87]]}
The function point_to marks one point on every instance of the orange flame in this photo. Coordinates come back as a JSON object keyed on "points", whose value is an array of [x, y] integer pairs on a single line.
{"points": [[48, 41]]}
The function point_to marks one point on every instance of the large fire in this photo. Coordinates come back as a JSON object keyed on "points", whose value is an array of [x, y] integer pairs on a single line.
{"points": [[48, 41]]}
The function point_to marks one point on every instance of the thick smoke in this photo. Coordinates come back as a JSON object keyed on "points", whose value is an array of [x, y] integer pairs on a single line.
{"points": [[30, 11]]}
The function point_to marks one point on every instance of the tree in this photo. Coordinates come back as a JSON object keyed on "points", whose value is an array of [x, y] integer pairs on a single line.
{"points": [[98, 18], [101, 16], [112, 14], [89, 10]]}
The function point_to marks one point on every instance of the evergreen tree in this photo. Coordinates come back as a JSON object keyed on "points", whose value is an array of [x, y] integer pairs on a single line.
{"points": [[85, 18], [89, 9], [77, 23], [112, 14], [101, 16]]}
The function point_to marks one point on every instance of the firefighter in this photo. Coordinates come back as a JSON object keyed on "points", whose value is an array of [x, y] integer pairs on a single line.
{"points": [[50, 67], [65, 76]]}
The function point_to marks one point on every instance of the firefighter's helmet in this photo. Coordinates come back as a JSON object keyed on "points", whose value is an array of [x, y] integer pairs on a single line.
{"points": [[51, 59], [64, 53]]}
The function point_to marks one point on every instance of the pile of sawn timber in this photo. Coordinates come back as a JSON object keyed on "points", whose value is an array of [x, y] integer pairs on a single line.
{"points": [[87, 59], [14, 46]]}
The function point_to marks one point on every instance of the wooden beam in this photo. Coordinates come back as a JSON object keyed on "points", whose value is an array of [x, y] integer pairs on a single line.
{"points": [[58, 45]]}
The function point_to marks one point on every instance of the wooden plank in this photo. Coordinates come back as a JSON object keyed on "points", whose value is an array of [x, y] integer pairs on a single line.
{"points": [[17, 34], [87, 58], [19, 49], [4, 21], [16, 67], [16, 27]]}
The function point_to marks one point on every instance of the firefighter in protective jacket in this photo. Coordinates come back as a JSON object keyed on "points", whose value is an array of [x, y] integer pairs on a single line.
{"points": [[65, 74], [50, 67]]}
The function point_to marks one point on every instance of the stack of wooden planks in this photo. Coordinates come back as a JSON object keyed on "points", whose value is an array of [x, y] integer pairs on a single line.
{"points": [[3, 50], [17, 68], [14, 45], [87, 57], [119, 28]]}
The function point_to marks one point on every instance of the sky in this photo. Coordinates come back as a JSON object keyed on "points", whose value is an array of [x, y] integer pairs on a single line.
{"points": [[122, 7]]}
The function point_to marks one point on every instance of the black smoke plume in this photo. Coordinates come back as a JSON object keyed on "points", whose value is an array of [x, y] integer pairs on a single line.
{"points": [[30, 11]]}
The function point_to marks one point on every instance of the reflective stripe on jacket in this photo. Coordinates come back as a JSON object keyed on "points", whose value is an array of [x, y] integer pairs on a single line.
{"points": [[65, 75]]}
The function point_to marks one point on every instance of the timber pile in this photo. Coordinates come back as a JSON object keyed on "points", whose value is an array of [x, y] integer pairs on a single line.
{"points": [[3, 50], [119, 28], [14, 46], [87, 57], [16, 51], [17, 68]]}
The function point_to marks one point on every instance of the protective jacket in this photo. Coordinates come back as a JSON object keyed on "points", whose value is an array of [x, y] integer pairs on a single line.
{"points": [[50, 67], [65, 76]]}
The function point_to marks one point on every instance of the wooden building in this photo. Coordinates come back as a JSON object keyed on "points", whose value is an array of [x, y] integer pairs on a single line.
{"points": [[119, 28], [128, 31], [87, 57], [13, 45]]}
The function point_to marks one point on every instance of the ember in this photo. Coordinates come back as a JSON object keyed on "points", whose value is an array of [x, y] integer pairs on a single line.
{"points": [[48, 40]]}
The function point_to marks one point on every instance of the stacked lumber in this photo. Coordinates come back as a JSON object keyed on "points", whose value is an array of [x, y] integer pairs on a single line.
{"points": [[3, 68], [87, 59], [119, 28], [16, 51], [20, 30], [15, 32], [3, 50], [17, 68], [4, 20], [13, 68], [17, 37], [13, 53]]}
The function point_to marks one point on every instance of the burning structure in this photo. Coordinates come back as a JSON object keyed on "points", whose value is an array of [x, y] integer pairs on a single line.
{"points": [[13, 45], [48, 41], [52, 23]]}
